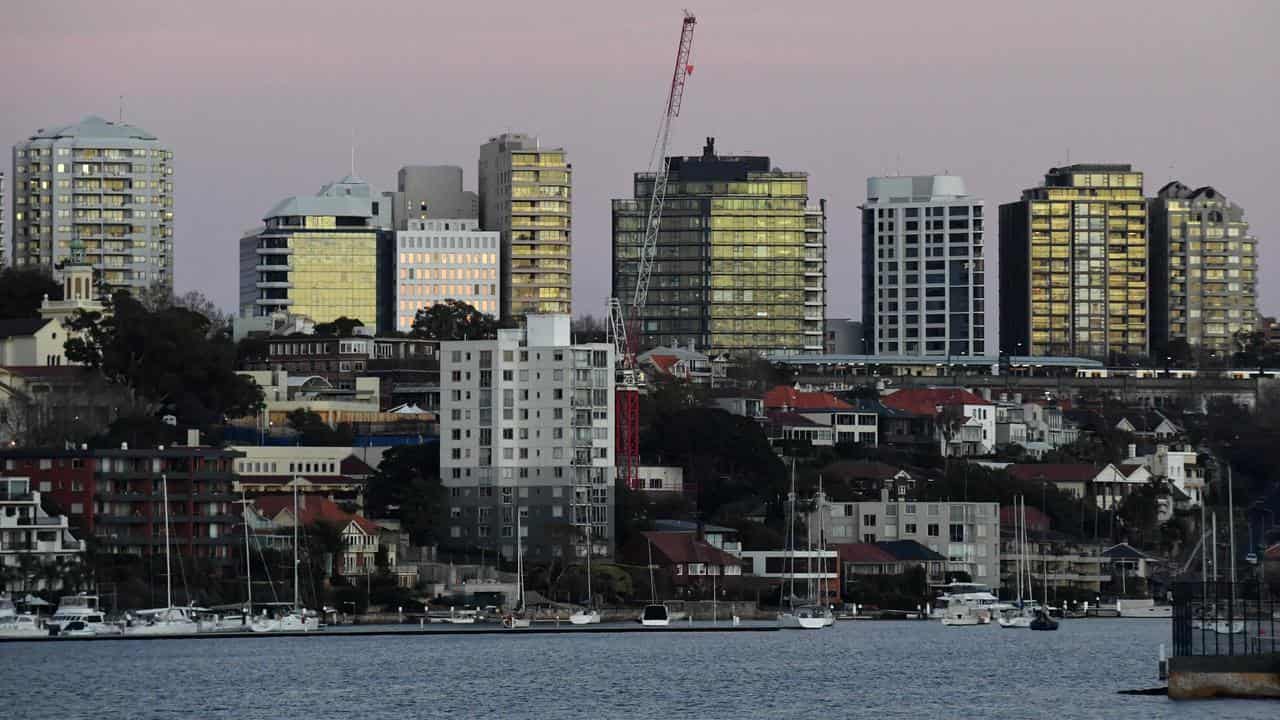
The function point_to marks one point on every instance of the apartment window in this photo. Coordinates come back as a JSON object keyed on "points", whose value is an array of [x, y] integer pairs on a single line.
{"points": [[932, 530], [869, 520], [909, 529], [957, 532]]}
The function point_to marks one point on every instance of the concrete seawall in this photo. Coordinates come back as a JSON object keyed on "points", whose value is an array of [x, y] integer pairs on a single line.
{"points": [[1240, 676]]}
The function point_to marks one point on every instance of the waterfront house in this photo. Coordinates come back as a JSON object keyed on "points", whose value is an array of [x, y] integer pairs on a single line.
{"points": [[685, 559], [888, 557], [361, 537], [31, 538]]}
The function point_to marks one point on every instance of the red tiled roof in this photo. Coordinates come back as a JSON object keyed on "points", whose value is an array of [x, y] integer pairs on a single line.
{"points": [[664, 363], [925, 401], [1272, 553], [784, 396], [313, 508], [863, 553], [1036, 520], [1054, 472], [685, 547], [789, 419]]}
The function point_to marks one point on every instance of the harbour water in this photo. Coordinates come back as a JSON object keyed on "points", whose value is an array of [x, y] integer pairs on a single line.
{"points": [[858, 669]]}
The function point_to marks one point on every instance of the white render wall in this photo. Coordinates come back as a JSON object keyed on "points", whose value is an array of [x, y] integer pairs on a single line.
{"points": [[528, 428]]}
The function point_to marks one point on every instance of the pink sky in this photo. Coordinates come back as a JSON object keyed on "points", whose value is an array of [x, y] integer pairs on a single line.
{"points": [[259, 100]]}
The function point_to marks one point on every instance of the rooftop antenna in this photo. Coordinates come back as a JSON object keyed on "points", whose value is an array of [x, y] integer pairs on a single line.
{"points": [[120, 113]]}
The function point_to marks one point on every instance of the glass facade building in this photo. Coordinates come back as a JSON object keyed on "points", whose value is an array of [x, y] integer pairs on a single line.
{"points": [[741, 257], [1073, 266], [525, 196], [108, 185], [923, 268], [318, 256], [1204, 266]]}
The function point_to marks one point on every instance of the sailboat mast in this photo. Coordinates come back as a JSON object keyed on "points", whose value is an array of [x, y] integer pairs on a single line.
{"points": [[168, 570], [519, 562], [295, 544], [248, 568], [591, 598], [791, 538], [653, 591]]}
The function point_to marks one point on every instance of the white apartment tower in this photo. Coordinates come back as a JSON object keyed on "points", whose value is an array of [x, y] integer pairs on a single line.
{"points": [[923, 268], [449, 259], [108, 185], [527, 430]]}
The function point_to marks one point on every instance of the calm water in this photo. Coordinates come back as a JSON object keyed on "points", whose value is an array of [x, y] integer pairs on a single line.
{"points": [[856, 670]]}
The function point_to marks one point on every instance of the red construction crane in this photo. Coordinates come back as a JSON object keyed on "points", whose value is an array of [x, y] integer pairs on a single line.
{"points": [[625, 328]]}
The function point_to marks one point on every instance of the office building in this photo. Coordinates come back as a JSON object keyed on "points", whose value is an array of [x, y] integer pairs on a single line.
{"points": [[844, 336], [740, 264], [448, 259], [317, 255], [923, 267], [525, 196], [1204, 266], [1073, 266], [527, 427], [429, 192], [967, 534], [107, 184]]}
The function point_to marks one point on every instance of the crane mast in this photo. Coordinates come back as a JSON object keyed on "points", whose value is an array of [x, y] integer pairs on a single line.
{"points": [[625, 328]]}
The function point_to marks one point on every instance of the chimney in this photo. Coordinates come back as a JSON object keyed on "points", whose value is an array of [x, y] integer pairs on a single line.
{"points": [[884, 493], [193, 438], [709, 150], [124, 446], [1133, 450], [1017, 398]]}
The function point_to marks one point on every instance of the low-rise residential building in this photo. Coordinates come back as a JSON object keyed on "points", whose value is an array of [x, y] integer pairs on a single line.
{"points": [[888, 557], [866, 479], [1179, 465], [964, 424], [361, 537], [717, 536], [801, 565], [1147, 423], [966, 533], [1107, 485], [31, 538], [847, 423], [677, 363], [1053, 561], [660, 479], [333, 472], [748, 407], [688, 562]]}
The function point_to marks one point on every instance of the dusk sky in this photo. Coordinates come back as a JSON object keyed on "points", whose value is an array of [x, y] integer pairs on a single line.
{"points": [[259, 100]]}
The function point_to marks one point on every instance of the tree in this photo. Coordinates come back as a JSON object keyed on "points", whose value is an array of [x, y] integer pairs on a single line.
{"points": [[313, 430], [169, 359], [22, 290], [453, 320], [407, 482], [159, 296], [340, 327]]}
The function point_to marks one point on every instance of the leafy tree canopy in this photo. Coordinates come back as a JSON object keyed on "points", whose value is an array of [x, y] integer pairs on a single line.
{"points": [[168, 358], [340, 327], [408, 481], [453, 320], [313, 430], [22, 289]]}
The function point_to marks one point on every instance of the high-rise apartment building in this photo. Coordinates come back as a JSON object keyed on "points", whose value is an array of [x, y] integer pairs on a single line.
{"points": [[1073, 266], [318, 256], [527, 430], [431, 192], [450, 259], [741, 257], [923, 267], [1204, 266], [525, 195], [107, 184]]}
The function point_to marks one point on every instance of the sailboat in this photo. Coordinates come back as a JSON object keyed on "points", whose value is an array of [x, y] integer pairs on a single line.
{"points": [[805, 617], [299, 619], [588, 615], [519, 618], [168, 620], [655, 614], [1021, 616], [1042, 620]]}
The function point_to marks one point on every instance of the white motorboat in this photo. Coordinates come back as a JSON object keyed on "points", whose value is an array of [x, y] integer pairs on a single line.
{"points": [[966, 594], [655, 615], [585, 617], [964, 615], [163, 621], [79, 615], [22, 626], [807, 617], [464, 616], [1143, 608]]}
